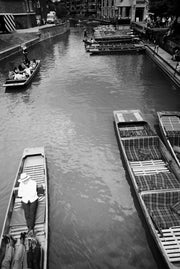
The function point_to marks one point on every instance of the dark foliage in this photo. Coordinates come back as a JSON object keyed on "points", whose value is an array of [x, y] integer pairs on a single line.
{"points": [[165, 7]]}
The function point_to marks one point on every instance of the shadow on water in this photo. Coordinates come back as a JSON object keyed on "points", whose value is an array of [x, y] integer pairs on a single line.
{"points": [[16, 89], [160, 262]]}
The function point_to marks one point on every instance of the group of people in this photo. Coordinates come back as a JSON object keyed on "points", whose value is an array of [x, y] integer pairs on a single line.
{"points": [[23, 71], [27, 253], [22, 254]]}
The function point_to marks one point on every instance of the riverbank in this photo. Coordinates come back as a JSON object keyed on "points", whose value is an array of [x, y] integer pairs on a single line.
{"points": [[11, 43], [164, 60]]}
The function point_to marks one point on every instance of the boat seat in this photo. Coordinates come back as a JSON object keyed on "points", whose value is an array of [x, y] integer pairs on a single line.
{"points": [[170, 242], [148, 167], [171, 123], [160, 205], [141, 149], [35, 169], [157, 181], [134, 131]]}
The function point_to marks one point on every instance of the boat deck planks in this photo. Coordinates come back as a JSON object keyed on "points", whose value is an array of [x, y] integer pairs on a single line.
{"points": [[148, 167], [171, 243]]}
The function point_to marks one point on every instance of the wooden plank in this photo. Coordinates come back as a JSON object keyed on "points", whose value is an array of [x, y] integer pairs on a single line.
{"points": [[174, 251], [175, 228], [172, 247]]}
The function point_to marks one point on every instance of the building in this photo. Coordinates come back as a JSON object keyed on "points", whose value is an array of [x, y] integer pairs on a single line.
{"points": [[82, 7], [26, 13], [134, 10]]}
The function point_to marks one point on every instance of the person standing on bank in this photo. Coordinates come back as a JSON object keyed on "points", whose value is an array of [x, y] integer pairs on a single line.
{"points": [[28, 192]]}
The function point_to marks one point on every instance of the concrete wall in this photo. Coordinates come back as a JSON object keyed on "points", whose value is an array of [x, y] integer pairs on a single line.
{"points": [[48, 32], [25, 21], [44, 33]]}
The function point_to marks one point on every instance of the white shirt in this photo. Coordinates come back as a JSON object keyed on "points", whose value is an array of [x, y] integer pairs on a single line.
{"points": [[28, 191], [19, 76]]}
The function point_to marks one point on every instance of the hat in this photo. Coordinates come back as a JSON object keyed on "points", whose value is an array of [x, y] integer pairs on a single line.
{"points": [[23, 177]]}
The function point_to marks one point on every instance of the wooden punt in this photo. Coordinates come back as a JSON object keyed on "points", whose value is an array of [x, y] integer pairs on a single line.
{"points": [[33, 162], [169, 123], [155, 177], [117, 49], [12, 83]]}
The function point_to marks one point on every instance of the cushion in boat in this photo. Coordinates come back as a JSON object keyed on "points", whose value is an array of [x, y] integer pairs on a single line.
{"points": [[159, 205], [157, 181]]}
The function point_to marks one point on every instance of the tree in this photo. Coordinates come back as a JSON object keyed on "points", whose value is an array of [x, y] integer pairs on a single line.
{"points": [[173, 7], [165, 7], [59, 7], [158, 7]]}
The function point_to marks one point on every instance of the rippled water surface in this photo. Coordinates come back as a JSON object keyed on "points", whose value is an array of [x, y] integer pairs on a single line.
{"points": [[95, 221]]}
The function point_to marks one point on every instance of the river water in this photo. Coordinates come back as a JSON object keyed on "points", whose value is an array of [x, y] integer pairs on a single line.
{"points": [[94, 218]]}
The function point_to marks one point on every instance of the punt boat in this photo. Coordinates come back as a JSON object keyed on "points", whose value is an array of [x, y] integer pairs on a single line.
{"points": [[12, 83], [33, 162], [155, 177], [169, 123], [117, 49]]}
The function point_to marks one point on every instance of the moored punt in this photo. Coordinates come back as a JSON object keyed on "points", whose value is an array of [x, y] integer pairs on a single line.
{"points": [[16, 83], [155, 177], [33, 162], [117, 49], [169, 123]]}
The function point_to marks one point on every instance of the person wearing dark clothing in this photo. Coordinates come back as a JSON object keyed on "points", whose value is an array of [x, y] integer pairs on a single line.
{"points": [[34, 254]]}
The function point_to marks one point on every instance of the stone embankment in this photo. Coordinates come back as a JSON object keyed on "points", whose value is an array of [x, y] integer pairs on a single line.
{"points": [[164, 60], [12, 43]]}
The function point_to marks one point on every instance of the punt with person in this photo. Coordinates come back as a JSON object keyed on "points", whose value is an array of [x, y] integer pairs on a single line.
{"points": [[155, 177], [33, 163], [16, 83]]}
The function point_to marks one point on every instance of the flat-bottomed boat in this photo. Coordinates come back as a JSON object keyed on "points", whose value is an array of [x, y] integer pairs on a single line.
{"points": [[33, 162], [155, 177], [17, 83]]}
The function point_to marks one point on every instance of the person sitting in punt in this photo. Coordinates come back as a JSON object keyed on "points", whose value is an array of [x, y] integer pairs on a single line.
{"points": [[27, 71], [19, 76], [28, 192], [9, 251], [20, 257], [33, 64], [11, 75], [34, 254], [21, 68], [24, 69]]}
